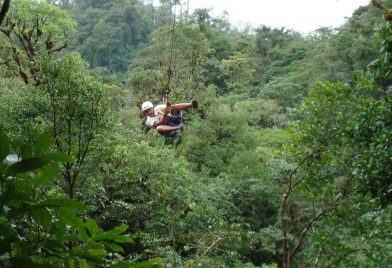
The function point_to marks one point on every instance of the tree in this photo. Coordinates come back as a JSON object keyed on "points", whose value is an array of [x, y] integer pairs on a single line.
{"points": [[21, 108], [283, 91], [112, 31], [31, 31], [143, 83], [261, 113], [212, 143], [340, 147], [178, 59], [238, 72], [75, 113], [323, 187]]}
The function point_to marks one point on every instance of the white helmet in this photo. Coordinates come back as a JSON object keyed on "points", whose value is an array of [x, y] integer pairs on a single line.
{"points": [[147, 105]]}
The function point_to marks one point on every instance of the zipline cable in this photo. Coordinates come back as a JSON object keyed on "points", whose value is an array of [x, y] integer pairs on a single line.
{"points": [[169, 70]]}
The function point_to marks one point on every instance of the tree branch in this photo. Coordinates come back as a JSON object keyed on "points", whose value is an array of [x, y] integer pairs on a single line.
{"points": [[4, 10], [285, 197]]}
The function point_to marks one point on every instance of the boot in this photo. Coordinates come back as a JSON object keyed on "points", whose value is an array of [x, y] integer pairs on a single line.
{"points": [[195, 104]]}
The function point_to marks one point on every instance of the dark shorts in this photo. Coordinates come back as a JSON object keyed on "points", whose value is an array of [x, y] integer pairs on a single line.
{"points": [[173, 122]]}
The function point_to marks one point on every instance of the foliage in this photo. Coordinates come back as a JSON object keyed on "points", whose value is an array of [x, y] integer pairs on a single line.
{"points": [[111, 32], [143, 83], [287, 64], [373, 136], [262, 113], [213, 142], [74, 113], [31, 31], [42, 230], [238, 189], [282, 91], [379, 68], [20, 106], [237, 71], [177, 59], [4, 10], [338, 164]]}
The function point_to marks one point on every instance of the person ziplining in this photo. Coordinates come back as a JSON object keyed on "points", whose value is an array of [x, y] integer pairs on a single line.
{"points": [[167, 118]]}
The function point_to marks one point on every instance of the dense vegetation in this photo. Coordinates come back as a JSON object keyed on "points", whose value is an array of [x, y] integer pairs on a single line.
{"points": [[286, 163]]}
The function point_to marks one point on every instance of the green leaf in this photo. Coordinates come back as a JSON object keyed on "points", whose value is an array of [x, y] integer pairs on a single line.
{"points": [[153, 263], [67, 216], [4, 145], [42, 216], [27, 165], [115, 247], [8, 237], [46, 174], [62, 202], [83, 264], [43, 143], [110, 236], [119, 229], [83, 234], [26, 262], [53, 245], [30, 164], [92, 227], [95, 255], [122, 239], [120, 265], [115, 235], [70, 263]]}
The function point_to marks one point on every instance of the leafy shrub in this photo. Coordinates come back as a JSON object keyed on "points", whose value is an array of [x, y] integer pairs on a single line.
{"points": [[41, 230]]}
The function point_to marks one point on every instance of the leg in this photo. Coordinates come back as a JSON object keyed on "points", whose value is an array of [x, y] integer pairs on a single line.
{"points": [[176, 108], [173, 126]]}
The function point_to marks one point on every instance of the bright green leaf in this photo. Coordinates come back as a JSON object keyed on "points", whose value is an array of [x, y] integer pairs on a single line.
{"points": [[119, 229], [46, 174], [67, 216], [92, 227], [96, 255], [43, 143], [153, 263], [115, 247]]}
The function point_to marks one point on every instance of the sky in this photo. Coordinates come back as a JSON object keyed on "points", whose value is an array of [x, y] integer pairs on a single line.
{"points": [[300, 15]]}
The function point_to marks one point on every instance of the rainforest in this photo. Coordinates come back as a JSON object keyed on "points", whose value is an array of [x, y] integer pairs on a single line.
{"points": [[285, 162]]}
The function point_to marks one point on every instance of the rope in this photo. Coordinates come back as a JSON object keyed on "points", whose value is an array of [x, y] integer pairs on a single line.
{"points": [[169, 71]]}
